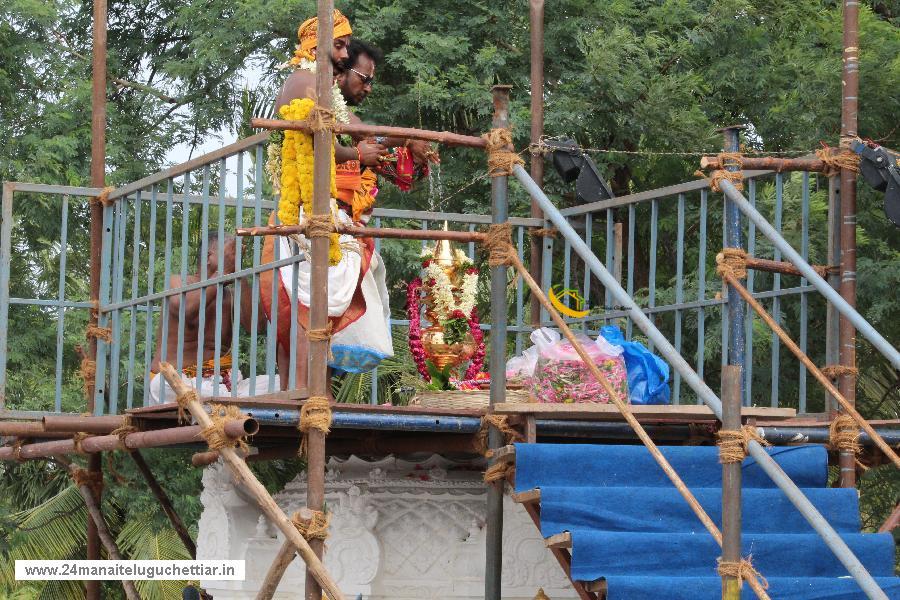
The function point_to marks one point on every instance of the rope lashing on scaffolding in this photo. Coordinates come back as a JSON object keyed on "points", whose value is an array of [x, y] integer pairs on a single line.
{"points": [[500, 471], [733, 262], [322, 335], [184, 401], [103, 198], [314, 529], [320, 119], [734, 443], [501, 154], [315, 414], [319, 226], [741, 570], [214, 433], [544, 232], [843, 434], [501, 423], [100, 333], [77, 439], [726, 159], [123, 431], [836, 159], [88, 374], [498, 242], [834, 371], [93, 480]]}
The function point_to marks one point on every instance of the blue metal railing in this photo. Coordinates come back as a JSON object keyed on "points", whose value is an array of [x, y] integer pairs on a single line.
{"points": [[160, 223]]}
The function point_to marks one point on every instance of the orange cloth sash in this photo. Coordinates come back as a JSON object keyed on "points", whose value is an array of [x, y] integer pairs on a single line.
{"points": [[356, 190]]}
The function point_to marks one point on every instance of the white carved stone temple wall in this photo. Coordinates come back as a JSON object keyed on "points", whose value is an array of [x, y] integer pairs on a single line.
{"points": [[401, 530]]}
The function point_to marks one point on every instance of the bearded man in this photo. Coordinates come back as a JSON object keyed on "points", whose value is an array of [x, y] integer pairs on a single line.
{"points": [[357, 294]]}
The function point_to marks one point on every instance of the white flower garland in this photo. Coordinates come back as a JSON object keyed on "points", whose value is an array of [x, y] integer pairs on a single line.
{"points": [[445, 301]]}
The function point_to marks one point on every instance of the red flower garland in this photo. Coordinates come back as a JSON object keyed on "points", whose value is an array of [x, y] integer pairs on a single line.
{"points": [[415, 327], [478, 357]]}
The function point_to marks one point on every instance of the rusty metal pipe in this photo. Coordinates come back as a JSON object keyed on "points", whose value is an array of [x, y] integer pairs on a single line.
{"points": [[99, 425], [785, 268], [143, 439], [26, 429], [370, 232], [362, 130], [768, 163]]}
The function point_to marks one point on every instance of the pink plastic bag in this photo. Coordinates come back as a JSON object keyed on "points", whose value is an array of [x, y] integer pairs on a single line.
{"points": [[560, 376]]}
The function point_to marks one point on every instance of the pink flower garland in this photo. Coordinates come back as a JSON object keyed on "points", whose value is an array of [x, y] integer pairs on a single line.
{"points": [[415, 335]]}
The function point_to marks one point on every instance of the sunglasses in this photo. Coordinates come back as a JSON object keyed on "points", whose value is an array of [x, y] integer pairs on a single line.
{"points": [[366, 79]]}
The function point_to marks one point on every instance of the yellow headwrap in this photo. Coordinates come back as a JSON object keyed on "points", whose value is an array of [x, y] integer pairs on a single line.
{"points": [[308, 32]]}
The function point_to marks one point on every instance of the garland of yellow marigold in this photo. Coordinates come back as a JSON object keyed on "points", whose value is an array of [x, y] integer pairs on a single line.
{"points": [[297, 173]]}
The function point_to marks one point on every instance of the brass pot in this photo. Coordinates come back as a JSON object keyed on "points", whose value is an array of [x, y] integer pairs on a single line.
{"points": [[442, 354]]}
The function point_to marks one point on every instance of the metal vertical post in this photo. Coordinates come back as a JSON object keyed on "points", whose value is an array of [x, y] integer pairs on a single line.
{"points": [[317, 373], [736, 308], [731, 481], [499, 214], [98, 179], [832, 316], [537, 130], [849, 104]]}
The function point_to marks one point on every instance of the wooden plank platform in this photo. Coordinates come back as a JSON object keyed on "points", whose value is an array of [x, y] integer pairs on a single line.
{"points": [[608, 412], [560, 540]]}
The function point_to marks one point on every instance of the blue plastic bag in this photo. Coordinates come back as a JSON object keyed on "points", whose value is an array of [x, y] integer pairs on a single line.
{"points": [[648, 374]]}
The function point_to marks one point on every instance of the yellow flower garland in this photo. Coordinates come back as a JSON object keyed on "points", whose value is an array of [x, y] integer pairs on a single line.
{"points": [[297, 173]]}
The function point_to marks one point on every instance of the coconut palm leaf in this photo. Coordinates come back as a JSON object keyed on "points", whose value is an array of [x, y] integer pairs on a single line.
{"points": [[140, 541]]}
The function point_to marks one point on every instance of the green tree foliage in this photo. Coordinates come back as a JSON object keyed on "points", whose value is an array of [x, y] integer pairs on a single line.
{"points": [[627, 77]]}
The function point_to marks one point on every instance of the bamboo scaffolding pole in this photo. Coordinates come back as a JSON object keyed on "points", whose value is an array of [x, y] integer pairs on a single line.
{"points": [[536, 17], [768, 163], [363, 130], [254, 488], [103, 534], [282, 561], [317, 380], [849, 122], [98, 179], [731, 483], [813, 368], [165, 503], [143, 439], [629, 417], [369, 232]]}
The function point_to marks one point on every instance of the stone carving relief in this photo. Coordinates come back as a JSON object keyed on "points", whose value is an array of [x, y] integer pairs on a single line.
{"points": [[401, 530]]}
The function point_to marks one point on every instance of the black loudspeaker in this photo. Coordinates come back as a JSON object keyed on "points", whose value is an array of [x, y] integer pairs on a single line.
{"points": [[573, 164], [880, 169]]}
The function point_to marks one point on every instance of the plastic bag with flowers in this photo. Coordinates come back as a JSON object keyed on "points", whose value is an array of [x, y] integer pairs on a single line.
{"points": [[560, 376]]}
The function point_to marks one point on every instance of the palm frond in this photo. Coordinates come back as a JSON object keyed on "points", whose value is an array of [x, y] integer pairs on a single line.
{"points": [[140, 541]]}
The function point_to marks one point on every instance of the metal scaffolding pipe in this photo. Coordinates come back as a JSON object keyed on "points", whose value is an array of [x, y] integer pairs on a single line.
{"points": [[768, 163], [100, 425], [370, 232], [361, 129], [234, 428], [806, 508], [843, 307]]}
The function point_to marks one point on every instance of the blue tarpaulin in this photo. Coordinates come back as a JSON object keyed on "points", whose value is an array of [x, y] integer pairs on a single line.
{"points": [[631, 527]]}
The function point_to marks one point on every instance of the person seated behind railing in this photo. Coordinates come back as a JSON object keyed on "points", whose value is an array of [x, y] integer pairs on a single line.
{"points": [[229, 377]]}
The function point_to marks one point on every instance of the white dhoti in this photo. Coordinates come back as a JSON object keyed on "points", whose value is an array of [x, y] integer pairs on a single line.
{"points": [[366, 341], [161, 393]]}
